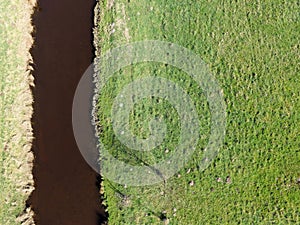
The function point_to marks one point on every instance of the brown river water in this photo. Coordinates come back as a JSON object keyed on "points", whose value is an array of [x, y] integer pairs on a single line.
{"points": [[66, 188]]}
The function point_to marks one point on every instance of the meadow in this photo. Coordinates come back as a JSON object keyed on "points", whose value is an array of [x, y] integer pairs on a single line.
{"points": [[252, 49]]}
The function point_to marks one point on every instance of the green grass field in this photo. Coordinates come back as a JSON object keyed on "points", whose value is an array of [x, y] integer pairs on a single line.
{"points": [[252, 48], [16, 182]]}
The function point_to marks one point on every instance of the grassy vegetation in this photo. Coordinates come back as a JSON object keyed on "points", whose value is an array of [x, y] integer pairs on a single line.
{"points": [[15, 111], [252, 48]]}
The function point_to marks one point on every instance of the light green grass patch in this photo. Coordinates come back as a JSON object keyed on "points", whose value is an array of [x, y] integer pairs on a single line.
{"points": [[252, 48]]}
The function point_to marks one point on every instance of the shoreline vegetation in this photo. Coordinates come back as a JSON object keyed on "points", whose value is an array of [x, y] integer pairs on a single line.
{"points": [[16, 99], [252, 48]]}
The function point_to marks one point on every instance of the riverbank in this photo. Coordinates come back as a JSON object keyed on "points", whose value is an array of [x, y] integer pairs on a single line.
{"points": [[16, 110]]}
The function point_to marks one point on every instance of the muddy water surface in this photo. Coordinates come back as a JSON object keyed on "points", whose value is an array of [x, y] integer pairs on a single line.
{"points": [[67, 191]]}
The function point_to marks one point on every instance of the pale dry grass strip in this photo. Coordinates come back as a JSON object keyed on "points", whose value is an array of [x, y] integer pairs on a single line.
{"points": [[121, 21], [16, 111]]}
